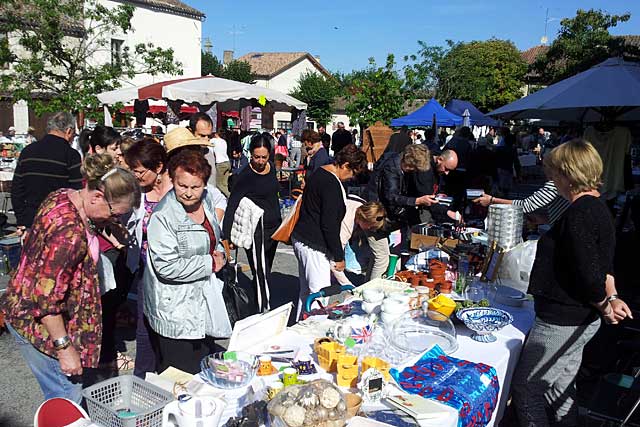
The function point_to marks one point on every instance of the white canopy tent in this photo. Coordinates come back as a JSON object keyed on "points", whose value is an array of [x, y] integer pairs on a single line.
{"points": [[203, 91]]}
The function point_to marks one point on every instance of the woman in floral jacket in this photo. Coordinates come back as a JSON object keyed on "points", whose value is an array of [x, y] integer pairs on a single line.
{"points": [[52, 303]]}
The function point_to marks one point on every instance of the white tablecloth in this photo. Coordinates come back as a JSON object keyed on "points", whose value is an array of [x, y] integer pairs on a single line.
{"points": [[502, 355]]}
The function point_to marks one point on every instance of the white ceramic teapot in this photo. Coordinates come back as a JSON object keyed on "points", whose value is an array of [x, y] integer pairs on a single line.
{"points": [[193, 412]]}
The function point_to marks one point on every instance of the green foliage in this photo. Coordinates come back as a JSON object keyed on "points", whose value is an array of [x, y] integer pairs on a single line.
{"points": [[55, 47], [583, 41], [487, 73], [319, 93], [421, 74], [374, 93], [210, 65], [239, 71]]}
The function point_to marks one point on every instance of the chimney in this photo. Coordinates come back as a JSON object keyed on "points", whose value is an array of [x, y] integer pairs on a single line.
{"points": [[227, 56]]}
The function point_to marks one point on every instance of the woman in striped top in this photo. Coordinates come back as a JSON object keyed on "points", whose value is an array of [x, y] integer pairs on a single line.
{"points": [[545, 197]]}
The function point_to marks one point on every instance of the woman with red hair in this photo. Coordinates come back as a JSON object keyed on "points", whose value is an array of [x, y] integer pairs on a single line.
{"points": [[183, 302]]}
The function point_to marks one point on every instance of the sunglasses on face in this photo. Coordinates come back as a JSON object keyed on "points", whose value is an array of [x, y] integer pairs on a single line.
{"points": [[140, 174]]}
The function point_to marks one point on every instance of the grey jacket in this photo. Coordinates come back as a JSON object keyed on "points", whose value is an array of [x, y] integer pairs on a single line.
{"points": [[178, 266]]}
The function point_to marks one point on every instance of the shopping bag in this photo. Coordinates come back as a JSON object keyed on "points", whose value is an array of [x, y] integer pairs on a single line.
{"points": [[282, 150], [283, 233], [217, 323], [236, 299]]}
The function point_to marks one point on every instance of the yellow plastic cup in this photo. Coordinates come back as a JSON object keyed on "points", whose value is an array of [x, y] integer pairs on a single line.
{"points": [[442, 304]]}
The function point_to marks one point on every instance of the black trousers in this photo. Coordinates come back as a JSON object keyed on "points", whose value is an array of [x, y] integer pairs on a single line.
{"points": [[181, 354], [262, 274], [111, 301]]}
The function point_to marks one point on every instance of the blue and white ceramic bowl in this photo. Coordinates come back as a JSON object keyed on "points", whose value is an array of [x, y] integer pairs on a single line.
{"points": [[483, 321]]}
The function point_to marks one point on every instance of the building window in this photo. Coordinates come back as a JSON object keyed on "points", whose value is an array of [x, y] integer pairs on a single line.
{"points": [[116, 51], [4, 51], [284, 125]]}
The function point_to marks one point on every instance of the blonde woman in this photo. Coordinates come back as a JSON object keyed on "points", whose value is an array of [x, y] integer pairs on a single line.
{"points": [[361, 218], [573, 288]]}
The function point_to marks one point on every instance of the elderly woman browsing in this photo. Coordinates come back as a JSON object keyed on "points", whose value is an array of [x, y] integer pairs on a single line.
{"points": [[52, 304], [182, 296]]}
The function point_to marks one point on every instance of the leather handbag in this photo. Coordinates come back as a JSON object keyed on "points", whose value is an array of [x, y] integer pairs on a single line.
{"points": [[236, 299], [283, 233]]}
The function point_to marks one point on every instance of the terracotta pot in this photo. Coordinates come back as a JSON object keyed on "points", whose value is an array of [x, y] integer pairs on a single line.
{"points": [[415, 279], [428, 283]]}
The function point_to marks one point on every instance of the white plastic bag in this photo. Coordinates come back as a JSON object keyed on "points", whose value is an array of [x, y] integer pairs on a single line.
{"points": [[217, 319], [516, 265]]}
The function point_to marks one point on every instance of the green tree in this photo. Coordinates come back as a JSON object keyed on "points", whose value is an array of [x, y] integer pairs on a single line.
{"points": [[487, 73], [421, 74], [319, 93], [374, 93], [210, 65], [239, 71], [583, 41], [55, 49]]}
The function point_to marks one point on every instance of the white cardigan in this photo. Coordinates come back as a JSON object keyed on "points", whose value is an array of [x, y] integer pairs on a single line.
{"points": [[245, 221]]}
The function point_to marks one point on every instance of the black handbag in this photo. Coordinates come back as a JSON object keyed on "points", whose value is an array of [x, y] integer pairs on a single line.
{"points": [[236, 299]]}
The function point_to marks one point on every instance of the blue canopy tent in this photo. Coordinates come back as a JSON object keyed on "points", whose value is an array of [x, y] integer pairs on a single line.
{"points": [[477, 118], [423, 116], [610, 89]]}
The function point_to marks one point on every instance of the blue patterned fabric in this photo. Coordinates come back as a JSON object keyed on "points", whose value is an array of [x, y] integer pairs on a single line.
{"points": [[471, 388]]}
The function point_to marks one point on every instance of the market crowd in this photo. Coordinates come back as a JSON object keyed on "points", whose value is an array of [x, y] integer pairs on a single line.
{"points": [[161, 219]]}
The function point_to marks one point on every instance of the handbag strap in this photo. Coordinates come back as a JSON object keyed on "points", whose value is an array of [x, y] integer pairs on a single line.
{"points": [[227, 249]]}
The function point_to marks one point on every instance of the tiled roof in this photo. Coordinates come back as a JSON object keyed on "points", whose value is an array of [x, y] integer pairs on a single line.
{"points": [[530, 55], [269, 64], [23, 12], [175, 6], [631, 40], [76, 27]]}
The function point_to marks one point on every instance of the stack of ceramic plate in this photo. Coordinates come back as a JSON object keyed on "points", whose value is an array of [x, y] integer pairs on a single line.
{"points": [[504, 225]]}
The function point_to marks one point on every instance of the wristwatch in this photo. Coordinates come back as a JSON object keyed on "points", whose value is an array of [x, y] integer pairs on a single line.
{"points": [[62, 343], [612, 298]]}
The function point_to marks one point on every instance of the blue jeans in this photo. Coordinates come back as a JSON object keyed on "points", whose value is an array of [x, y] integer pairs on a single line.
{"points": [[47, 371]]}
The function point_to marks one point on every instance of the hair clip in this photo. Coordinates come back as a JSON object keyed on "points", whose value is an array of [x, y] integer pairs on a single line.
{"points": [[108, 174]]}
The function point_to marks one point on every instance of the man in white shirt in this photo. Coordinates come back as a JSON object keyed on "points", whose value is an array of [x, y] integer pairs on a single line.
{"points": [[223, 166]]}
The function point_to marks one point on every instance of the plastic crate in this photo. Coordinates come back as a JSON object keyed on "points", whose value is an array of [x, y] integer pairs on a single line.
{"points": [[126, 401]]}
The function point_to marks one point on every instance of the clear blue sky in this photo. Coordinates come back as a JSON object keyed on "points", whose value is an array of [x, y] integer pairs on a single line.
{"points": [[376, 27]]}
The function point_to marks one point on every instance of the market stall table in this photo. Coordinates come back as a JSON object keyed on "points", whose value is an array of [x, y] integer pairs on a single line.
{"points": [[502, 355]]}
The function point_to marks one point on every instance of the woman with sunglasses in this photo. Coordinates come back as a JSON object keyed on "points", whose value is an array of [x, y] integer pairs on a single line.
{"points": [[52, 303], [360, 221], [259, 184], [147, 160]]}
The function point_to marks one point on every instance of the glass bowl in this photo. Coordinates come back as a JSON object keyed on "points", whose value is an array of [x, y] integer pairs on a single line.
{"points": [[483, 321], [418, 330], [229, 369]]}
